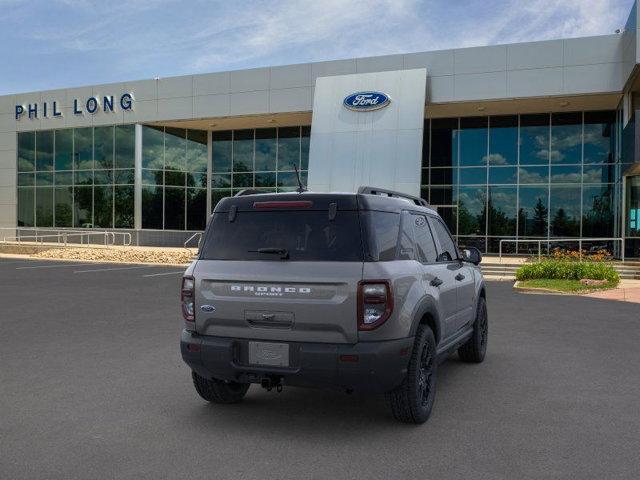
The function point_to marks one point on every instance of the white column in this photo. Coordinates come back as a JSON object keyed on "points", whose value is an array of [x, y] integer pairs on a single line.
{"points": [[137, 212]]}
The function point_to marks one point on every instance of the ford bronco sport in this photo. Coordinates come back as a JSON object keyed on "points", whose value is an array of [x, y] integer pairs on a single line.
{"points": [[358, 291]]}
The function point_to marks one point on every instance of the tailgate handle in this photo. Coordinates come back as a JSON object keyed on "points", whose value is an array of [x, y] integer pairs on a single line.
{"points": [[270, 319]]}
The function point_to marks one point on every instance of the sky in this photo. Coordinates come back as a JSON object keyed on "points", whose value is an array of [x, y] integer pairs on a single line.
{"points": [[48, 44]]}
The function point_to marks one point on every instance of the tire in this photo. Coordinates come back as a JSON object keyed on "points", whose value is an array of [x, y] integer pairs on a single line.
{"points": [[474, 350], [412, 401], [217, 391]]}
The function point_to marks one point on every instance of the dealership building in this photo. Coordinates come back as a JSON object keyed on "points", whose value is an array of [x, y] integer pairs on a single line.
{"points": [[519, 142]]}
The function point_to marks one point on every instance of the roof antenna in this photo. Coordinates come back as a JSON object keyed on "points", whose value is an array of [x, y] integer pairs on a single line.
{"points": [[300, 188]]}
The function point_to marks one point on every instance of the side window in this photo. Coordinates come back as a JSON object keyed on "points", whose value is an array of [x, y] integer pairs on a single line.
{"points": [[424, 240], [383, 239], [448, 251], [407, 243]]}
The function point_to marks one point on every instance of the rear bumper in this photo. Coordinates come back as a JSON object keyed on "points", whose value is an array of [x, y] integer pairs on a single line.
{"points": [[380, 366]]}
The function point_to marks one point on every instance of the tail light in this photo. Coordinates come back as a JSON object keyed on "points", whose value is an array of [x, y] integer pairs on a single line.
{"points": [[375, 303], [187, 299]]}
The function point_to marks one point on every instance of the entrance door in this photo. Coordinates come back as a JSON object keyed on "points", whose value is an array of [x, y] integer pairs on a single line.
{"points": [[632, 215]]}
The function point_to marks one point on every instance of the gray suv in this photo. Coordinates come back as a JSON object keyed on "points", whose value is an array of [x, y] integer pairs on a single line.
{"points": [[358, 291]]}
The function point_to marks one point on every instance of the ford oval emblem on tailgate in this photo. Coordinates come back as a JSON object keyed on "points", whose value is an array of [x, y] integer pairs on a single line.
{"points": [[207, 308]]}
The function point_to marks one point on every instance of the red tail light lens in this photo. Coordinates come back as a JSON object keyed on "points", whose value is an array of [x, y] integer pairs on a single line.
{"points": [[375, 303], [187, 299]]}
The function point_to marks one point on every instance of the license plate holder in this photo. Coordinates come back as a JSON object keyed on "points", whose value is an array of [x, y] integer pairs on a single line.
{"points": [[267, 353]]}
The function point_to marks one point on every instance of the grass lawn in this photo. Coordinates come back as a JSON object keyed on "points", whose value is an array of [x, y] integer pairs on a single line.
{"points": [[567, 286]]}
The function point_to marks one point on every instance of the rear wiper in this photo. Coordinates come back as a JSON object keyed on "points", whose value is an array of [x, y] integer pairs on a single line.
{"points": [[283, 252]]}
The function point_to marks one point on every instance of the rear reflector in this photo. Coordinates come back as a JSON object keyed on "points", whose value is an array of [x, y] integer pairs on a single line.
{"points": [[193, 347], [284, 204], [349, 358]]}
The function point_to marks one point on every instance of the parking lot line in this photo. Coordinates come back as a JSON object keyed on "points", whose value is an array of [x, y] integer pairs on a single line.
{"points": [[53, 266], [165, 273], [115, 268]]}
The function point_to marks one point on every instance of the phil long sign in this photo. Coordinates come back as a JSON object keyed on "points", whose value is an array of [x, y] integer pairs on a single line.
{"points": [[52, 109], [366, 101]]}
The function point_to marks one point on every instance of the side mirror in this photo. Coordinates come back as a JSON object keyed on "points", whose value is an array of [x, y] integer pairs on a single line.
{"points": [[472, 255]]}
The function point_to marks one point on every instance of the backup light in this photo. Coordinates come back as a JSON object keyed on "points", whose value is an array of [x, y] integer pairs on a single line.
{"points": [[187, 299], [375, 303]]}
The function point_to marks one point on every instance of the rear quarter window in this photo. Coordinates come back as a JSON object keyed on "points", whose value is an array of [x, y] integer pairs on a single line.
{"points": [[383, 231]]}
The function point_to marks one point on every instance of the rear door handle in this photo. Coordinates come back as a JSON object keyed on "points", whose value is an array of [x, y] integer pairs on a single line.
{"points": [[436, 282], [460, 277]]}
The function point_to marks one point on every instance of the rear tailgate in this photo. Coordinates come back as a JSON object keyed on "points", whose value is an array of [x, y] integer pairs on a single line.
{"points": [[278, 300]]}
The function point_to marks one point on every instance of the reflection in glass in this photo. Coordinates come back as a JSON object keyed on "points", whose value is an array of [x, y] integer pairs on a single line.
{"points": [[473, 141], [26, 205], [243, 150], [266, 179], [503, 140], [44, 150], [221, 151], [444, 142], [266, 149], [125, 150], [103, 147], [288, 148], [196, 208], [26, 179], [82, 206], [26, 151], [197, 151], [534, 175], [534, 139], [566, 138], [599, 141], [83, 148], [44, 207], [444, 176], [473, 176], [597, 211], [501, 210], [304, 147], [533, 213], [44, 179], [174, 208], [103, 207], [64, 149], [605, 173], [175, 149], [502, 175], [571, 174], [152, 147], [565, 211], [442, 196], [471, 211], [152, 207], [123, 202]]}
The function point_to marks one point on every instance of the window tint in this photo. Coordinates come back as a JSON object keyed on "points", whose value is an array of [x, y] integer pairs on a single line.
{"points": [[383, 237], [424, 241], [407, 242], [306, 235], [448, 250]]}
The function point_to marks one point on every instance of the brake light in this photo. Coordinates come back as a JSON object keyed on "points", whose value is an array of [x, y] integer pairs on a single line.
{"points": [[187, 299], [375, 303], [284, 204]]}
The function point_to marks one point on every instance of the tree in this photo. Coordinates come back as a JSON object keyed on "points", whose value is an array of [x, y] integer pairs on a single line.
{"points": [[540, 219]]}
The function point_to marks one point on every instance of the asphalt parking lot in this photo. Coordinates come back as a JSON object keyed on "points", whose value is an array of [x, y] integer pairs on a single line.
{"points": [[92, 386]]}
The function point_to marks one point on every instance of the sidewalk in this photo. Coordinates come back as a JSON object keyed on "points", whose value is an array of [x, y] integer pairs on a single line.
{"points": [[627, 291]]}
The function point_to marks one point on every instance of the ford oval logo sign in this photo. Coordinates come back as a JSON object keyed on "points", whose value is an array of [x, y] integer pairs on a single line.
{"points": [[366, 101]]}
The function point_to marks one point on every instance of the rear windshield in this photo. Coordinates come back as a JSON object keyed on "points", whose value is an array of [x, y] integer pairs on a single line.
{"points": [[304, 235]]}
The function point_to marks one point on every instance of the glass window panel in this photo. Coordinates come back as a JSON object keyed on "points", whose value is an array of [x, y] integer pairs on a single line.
{"points": [[533, 212], [305, 140], [502, 175], [217, 195], [243, 150], [26, 179], [503, 140], [288, 179], [471, 211], [473, 176], [424, 176], [82, 206], [242, 180], [196, 208], [571, 174], [123, 202], [534, 139], [83, 148], [64, 149], [152, 207], [102, 177], [288, 148], [176, 179], [221, 151], [26, 202], [599, 140], [125, 151], [83, 177], [152, 177], [175, 149], [266, 149], [44, 150], [597, 211], [501, 210], [534, 175], [197, 152], [63, 206], [221, 181], [26, 151], [44, 207], [267, 179], [564, 211], [444, 138], [442, 196], [605, 173], [450, 217], [473, 141], [443, 176], [152, 147], [103, 147], [174, 203], [125, 176], [197, 179], [44, 179], [566, 138], [103, 207]]}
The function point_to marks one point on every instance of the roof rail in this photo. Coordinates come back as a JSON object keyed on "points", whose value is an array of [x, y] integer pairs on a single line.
{"points": [[392, 193], [247, 191]]}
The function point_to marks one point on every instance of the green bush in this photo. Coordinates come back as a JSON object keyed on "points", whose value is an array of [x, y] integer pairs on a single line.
{"points": [[558, 269]]}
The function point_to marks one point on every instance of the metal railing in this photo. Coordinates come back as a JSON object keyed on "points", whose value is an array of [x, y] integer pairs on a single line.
{"points": [[69, 237], [197, 235], [549, 242]]}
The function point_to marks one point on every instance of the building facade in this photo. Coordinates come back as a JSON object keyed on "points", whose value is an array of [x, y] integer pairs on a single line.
{"points": [[512, 143]]}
